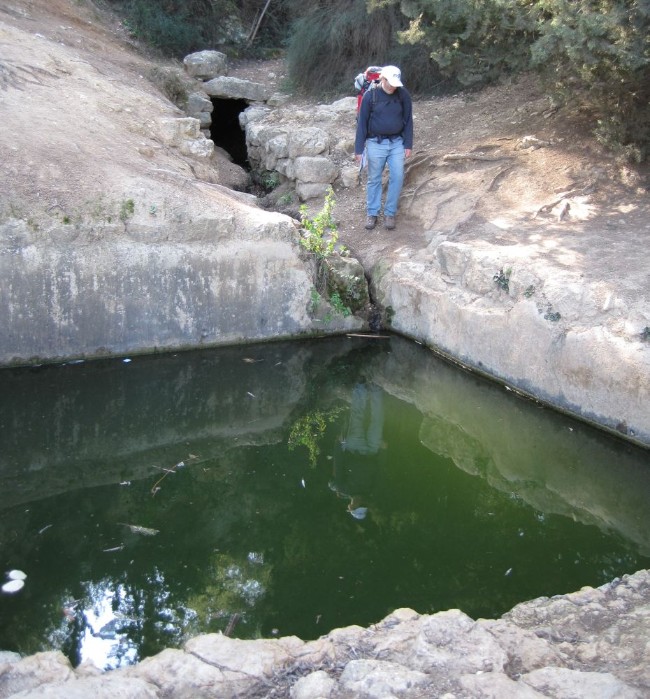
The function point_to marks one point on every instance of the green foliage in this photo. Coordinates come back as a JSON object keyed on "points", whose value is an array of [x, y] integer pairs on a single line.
{"points": [[178, 27], [331, 42], [596, 54], [337, 304], [270, 180], [320, 233], [172, 83], [315, 299], [309, 430], [502, 279], [285, 199], [552, 315], [472, 41], [127, 209]]}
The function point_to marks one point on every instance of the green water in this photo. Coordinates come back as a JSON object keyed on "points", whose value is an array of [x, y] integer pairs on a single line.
{"points": [[262, 515]]}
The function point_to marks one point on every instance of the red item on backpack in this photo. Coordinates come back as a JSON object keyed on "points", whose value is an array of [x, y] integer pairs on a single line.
{"points": [[364, 81]]}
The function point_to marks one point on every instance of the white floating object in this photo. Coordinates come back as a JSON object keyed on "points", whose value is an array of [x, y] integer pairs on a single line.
{"points": [[126, 361], [16, 575], [13, 586]]}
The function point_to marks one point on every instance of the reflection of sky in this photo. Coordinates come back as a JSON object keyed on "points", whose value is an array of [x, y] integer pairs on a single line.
{"points": [[112, 619], [103, 643]]}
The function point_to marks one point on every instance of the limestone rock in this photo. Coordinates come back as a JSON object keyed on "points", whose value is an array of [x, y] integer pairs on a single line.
{"points": [[205, 65], [235, 88], [379, 679], [198, 102], [317, 685], [347, 279], [497, 685], [185, 134], [308, 141], [258, 658], [350, 176], [184, 676], [563, 683], [315, 150], [315, 169], [523, 655], [30, 673], [104, 687], [310, 190]]}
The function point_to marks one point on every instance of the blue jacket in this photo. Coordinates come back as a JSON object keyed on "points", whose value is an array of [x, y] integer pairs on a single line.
{"points": [[382, 114]]}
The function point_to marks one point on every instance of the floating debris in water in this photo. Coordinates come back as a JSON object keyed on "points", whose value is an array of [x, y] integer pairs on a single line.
{"points": [[302, 481], [136, 529], [125, 482], [509, 571], [16, 581], [126, 360], [232, 622], [44, 529], [115, 548], [13, 586], [16, 575], [248, 393], [250, 360]]}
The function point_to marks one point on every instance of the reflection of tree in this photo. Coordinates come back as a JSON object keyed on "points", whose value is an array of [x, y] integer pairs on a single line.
{"points": [[236, 587], [309, 430]]}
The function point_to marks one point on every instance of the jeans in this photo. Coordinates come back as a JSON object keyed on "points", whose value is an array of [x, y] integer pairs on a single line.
{"points": [[389, 153], [366, 420]]}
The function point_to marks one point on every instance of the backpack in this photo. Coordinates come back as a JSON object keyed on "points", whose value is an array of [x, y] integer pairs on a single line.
{"points": [[365, 81]]}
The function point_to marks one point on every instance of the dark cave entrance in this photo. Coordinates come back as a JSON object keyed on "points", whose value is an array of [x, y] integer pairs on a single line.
{"points": [[225, 130]]}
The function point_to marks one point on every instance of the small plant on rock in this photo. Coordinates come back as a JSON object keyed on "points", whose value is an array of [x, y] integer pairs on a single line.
{"points": [[337, 304], [502, 279], [552, 315], [270, 180], [320, 234], [127, 209]]}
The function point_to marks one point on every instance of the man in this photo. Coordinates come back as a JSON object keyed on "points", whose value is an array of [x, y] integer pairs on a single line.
{"points": [[385, 131]]}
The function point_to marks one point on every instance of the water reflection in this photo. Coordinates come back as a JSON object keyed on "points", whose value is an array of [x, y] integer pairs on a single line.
{"points": [[293, 488], [356, 457]]}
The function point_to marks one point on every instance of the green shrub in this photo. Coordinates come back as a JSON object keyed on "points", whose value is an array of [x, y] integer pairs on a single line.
{"points": [[319, 233], [596, 54], [172, 83], [332, 42], [178, 27], [471, 42]]}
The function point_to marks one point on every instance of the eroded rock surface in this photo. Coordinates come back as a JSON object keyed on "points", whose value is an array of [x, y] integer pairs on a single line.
{"points": [[591, 644]]}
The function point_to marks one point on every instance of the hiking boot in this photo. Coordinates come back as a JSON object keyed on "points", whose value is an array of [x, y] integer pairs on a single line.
{"points": [[389, 222], [371, 222]]}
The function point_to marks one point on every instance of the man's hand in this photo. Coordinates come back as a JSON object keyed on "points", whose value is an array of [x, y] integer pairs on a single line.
{"points": [[407, 152], [357, 157]]}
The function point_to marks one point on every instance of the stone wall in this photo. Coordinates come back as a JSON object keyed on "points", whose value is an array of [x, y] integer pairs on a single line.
{"points": [[304, 146]]}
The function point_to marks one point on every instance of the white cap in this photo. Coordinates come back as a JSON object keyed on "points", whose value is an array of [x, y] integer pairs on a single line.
{"points": [[393, 74]]}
